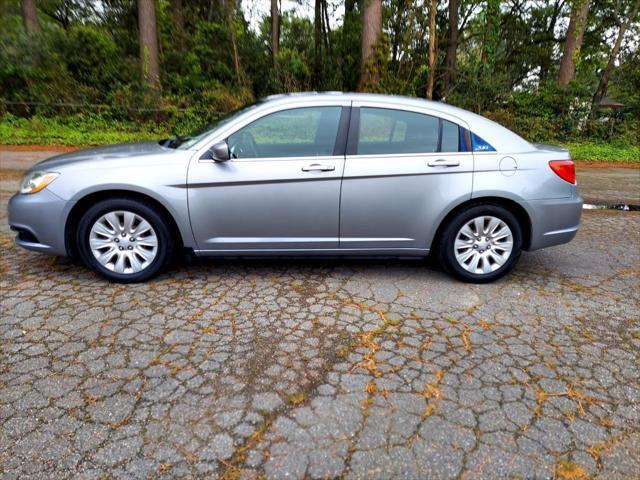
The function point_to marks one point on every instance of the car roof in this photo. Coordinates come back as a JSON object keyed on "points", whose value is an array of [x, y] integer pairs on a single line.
{"points": [[501, 138]]}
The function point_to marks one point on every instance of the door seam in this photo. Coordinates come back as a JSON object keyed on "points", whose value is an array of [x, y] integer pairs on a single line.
{"points": [[344, 166]]}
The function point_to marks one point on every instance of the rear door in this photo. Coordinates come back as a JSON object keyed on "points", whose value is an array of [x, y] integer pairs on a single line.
{"points": [[404, 169], [281, 189]]}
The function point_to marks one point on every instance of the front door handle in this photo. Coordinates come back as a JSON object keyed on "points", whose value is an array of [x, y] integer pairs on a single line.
{"points": [[441, 162], [316, 167]]}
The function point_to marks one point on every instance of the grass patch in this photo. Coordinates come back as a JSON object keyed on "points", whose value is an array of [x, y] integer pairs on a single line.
{"points": [[604, 152], [88, 130], [76, 131]]}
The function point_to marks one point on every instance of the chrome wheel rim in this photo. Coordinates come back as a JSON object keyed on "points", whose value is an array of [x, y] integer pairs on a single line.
{"points": [[123, 242], [483, 245]]}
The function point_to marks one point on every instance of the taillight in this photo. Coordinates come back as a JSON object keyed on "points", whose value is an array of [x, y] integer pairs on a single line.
{"points": [[565, 169]]}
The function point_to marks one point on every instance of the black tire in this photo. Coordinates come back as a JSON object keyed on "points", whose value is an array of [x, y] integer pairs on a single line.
{"points": [[446, 242], [147, 211]]}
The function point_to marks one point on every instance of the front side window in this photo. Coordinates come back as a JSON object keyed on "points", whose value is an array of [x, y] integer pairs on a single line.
{"points": [[299, 132]]}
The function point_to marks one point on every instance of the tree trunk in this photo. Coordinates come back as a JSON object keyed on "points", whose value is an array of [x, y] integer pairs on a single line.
{"points": [[275, 30], [545, 64], [432, 49], [149, 56], [371, 32], [601, 91], [573, 43], [30, 17], [229, 8], [491, 34], [177, 15], [317, 44], [452, 46], [326, 29]]}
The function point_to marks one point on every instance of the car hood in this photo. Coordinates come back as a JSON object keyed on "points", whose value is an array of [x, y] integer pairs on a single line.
{"points": [[100, 154]]}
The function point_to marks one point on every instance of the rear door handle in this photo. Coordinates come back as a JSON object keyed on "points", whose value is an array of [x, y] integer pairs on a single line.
{"points": [[441, 162], [316, 167]]}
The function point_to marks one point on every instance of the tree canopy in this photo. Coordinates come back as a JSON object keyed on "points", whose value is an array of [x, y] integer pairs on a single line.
{"points": [[542, 68]]}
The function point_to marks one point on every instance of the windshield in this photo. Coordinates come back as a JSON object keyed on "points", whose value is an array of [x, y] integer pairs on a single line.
{"points": [[186, 142]]}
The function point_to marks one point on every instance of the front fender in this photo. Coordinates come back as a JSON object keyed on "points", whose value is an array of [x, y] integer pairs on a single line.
{"points": [[162, 181]]}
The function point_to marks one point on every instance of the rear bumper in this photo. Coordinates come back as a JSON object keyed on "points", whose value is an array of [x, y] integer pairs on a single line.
{"points": [[39, 220], [555, 221]]}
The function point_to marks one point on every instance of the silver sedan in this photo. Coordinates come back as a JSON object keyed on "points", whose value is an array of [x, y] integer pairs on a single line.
{"points": [[307, 174]]}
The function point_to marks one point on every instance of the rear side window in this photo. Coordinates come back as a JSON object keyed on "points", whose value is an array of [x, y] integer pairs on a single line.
{"points": [[450, 137], [386, 131]]}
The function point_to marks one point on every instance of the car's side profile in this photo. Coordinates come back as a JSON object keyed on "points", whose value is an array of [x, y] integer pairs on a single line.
{"points": [[307, 174]]}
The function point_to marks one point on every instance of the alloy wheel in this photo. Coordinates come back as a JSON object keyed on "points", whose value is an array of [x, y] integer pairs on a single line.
{"points": [[483, 245], [123, 242]]}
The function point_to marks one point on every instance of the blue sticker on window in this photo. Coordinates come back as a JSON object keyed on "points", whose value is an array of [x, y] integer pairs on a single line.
{"points": [[479, 145]]}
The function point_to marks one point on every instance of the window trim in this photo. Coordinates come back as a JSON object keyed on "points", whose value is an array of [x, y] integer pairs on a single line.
{"points": [[354, 133], [342, 136], [464, 140]]}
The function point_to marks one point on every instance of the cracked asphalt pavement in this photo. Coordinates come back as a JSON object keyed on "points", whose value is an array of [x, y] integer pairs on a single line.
{"points": [[325, 368]]}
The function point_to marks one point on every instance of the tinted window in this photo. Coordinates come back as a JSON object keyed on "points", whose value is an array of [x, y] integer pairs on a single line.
{"points": [[385, 131], [450, 137], [299, 132]]}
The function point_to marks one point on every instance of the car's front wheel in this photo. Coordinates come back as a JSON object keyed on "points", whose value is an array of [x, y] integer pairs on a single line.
{"points": [[481, 244], [124, 240]]}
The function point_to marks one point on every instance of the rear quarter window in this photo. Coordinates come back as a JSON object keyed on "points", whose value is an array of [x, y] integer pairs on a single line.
{"points": [[479, 145]]}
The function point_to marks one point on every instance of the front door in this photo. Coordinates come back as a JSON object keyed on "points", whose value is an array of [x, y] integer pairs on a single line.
{"points": [[279, 192], [403, 170]]}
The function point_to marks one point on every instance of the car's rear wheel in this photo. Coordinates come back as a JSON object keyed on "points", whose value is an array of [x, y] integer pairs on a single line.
{"points": [[124, 240], [481, 244]]}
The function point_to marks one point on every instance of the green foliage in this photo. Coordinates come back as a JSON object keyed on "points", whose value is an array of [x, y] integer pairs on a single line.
{"points": [[80, 130], [88, 52], [550, 113], [604, 152], [86, 58], [87, 130]]}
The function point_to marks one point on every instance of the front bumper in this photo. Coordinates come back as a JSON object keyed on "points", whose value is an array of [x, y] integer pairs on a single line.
{"points": [[39, 220], [555, 221]]}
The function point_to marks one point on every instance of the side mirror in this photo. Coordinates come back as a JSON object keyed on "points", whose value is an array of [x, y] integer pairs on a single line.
{"points": [[220, 152]]}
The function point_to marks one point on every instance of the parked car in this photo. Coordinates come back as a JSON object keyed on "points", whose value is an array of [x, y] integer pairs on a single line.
{"points": [[307, 174]]}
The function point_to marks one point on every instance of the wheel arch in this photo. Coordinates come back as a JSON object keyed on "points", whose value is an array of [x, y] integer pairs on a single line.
{"points": [[513, 206], [84, 203]]}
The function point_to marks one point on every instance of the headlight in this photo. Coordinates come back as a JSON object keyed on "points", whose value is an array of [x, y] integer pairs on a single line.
{"points": [[35, 181]]}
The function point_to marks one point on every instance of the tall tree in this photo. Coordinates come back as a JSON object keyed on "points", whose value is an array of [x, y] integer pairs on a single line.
{"points": [[148, 32], [326, 29], [452, 46], [573, 43], [432, 49], [601, 91], [548, 37], [371, 33], [229, 11], [177, 16], [275, 30], [491, 36], [317, 44], [30, 16]]}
